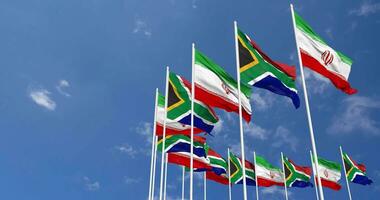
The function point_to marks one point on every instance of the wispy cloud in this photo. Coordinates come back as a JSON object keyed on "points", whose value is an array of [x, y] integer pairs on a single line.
{"points": [[141, 27], [62, 85], [91, 185], [262, 100], [356, 116], [316, 83], [145, 129], [256, 131], [42, 98], [130, 180], [274, 191], [329, 33], [366, 8], [218, 127], [127, 149], [194, 4], [284, 137]]}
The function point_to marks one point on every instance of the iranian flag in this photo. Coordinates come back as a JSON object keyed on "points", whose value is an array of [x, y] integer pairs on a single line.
{"points": [[321, 58], [329, 172], [172, 127], [267, 174], [216, 88]]}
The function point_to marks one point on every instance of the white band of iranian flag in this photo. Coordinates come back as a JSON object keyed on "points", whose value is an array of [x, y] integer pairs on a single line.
{"points": [[321, 58]]}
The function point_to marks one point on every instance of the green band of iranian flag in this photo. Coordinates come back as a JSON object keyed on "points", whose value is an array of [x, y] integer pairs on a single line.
{"points": [[267, 174], [321, 58], [329, 173]]}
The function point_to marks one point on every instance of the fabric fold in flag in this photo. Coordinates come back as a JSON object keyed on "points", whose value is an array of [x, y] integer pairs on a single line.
{"points": [[216, 88], [317, 55], [257, 69], [355, 172], [179, 105], [236, 173], [172, 127]]}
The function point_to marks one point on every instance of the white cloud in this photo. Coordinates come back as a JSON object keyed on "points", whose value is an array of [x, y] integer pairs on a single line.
{"points": [[62, 84], [283, 137], [261, 100], [315, 83], [146, 130], [41, 97], [129, 180], [255, 131], [91, 185], [272, 191], [356, 116], [366, 8], [142, 27], [329, 33], [127, 149], [194, 4], [218, 127]]}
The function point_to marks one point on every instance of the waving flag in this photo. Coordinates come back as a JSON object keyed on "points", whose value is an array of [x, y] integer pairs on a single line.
{"points": [[329, 173], [178, 149], [355, 172], [217, 162], [267, 174], [321, 58], [172, 127], [237, 171], [179, 105], [215, 87], [296, 176], [257, 69]]}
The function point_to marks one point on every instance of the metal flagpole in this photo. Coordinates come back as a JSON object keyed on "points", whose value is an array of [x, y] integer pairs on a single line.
{"points": [[315, 183], [240, 112], [229, 175], [154, 166], [283, 170], [307, 106], [204, 186], [164, 133], [344, 167], [192, 120], [257, 181], [166, 175], [153, 144], [183, 182]]}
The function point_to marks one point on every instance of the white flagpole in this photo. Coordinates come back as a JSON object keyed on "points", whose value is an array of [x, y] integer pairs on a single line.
{"points": [[240, 111], [283, 170], [154, 166], [153, 144], [257, 181], [344, 167], [183, 182], [229, 175], [164, 133], [166, 175], [313, 177], [192, 119], [307, 106], [204, 186]]}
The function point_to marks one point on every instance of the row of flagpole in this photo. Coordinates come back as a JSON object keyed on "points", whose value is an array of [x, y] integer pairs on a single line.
{"points": [[162, 193]]}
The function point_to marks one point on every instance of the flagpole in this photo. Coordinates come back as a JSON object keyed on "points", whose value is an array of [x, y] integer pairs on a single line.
{"points": [[240, 112], [283, 170], [344, 167], [204, 187], [153, 143], [166, 175], [164, 133], [313, 167], [183, 182], [257, 181], [154, 166], [307, 106], [192, 120], [229, 175]]}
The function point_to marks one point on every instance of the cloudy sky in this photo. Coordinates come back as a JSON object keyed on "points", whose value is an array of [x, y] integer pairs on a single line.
{"points": [[77, 86]]}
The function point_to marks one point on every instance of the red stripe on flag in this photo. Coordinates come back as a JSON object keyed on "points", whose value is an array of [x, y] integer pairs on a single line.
{"points": [[171, 131], [337, 80], [217, 178], [267, 183], [184, 160], [306, 170], [329, 184], [214, 100]]}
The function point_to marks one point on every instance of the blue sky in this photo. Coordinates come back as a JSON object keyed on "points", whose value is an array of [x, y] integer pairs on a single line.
{"points": [[77, 88]]}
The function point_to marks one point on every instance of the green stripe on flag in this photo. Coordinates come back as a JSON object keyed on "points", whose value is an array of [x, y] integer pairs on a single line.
{"points": [[329, 164], [262, 162]]}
